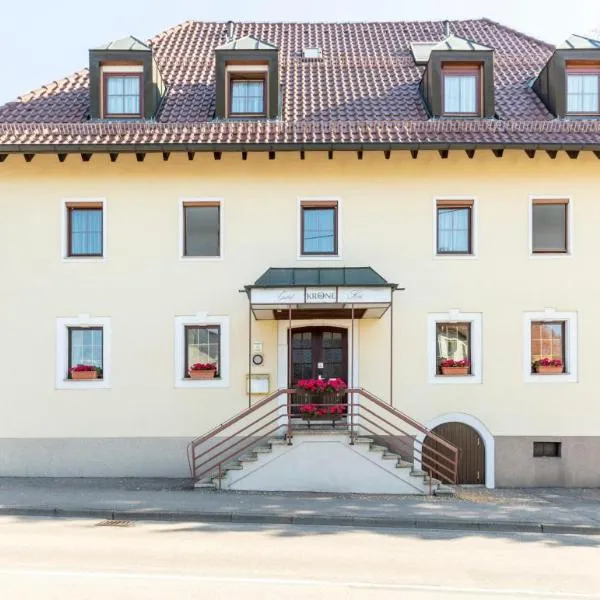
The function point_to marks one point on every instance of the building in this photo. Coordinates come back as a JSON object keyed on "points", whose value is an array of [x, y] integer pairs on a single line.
{"points": [[366, 201]]}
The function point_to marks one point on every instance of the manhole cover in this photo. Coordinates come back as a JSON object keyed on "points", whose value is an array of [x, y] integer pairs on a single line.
{"points": [[111, 523]]}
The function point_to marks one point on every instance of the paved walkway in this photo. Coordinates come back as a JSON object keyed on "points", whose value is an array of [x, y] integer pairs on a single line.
{"points": [[545, 510]]}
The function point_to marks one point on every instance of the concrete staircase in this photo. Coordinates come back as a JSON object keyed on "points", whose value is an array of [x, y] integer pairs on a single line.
{"points": [[324, 462]]}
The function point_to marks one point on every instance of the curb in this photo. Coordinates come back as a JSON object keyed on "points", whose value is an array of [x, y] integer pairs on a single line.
{"points": [[337, 521]]}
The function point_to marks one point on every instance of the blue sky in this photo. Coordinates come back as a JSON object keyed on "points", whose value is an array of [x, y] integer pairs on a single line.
{"points": [[44, 40]]}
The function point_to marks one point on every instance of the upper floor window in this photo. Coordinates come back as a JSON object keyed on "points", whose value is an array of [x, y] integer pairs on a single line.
{"points": [[454, 226], [461, 89], [247, 96], [319, 228], [583, 89], [549, 231], [122, 94], [202, 228], [85, 229]]}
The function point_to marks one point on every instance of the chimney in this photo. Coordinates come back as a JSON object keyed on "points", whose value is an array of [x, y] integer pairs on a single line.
{"points": [[229, 31], [447, 32]]}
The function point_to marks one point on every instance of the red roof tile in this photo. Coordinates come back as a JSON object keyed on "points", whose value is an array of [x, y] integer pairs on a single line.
{"points": [[364, 90]]}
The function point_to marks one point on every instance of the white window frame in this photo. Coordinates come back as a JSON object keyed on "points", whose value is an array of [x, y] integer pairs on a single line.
{"points": [[65, 204], [454, 316], [62, 349], [181, 250], [325, 200], [571, 346], [570, 228], [200, 319], [474, 228]]}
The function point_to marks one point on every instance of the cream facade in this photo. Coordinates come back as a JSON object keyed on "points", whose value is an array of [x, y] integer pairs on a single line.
{"points": [[139, 421]]}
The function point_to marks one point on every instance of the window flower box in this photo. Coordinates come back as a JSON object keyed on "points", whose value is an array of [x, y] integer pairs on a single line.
{"points": [[549, 366], [84, 372], [450, 367], [203, 371]]}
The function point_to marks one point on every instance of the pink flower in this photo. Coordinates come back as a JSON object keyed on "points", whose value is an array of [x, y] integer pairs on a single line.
{"points": [[203, 367]]}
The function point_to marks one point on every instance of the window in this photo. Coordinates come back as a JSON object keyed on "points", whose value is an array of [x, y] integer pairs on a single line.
{"points": [[202, 229], [549, 226], [319, 228], [454, 224], [461, 89], [583, 89], [550, 335], [85, 229], [122, 94], [247, 96], [547, 449], [85, 348], [453, 341], [202, 345], [202, 338], [455, 336], [83, 340], [548, 342]]}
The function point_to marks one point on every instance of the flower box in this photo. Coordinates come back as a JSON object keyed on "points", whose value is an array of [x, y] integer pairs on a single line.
{"points": [[549, 370], [80, 375], [453, 371], [202, 373]]}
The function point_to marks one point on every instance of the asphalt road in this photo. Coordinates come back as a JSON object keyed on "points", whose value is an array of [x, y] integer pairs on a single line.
{"points": [[78, 559]]}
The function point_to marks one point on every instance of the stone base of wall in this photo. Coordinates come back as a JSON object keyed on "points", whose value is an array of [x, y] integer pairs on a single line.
{"points": [[578, 465], [94, 457]]}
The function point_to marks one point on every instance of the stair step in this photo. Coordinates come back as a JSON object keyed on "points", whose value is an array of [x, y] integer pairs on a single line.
{"points": [[205, 484], [391, 456], [402, 464], [234, 467], [277, 442], [445, 490], [378, 448], [363, 440], [248, 458], [418, 473], [434, 481], [263, 450]]}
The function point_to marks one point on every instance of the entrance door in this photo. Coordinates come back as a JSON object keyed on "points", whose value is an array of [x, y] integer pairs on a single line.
{"points": [[319, 352], [471, 451]]}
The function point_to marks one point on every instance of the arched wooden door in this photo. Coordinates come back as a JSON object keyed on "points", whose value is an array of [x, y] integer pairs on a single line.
{"points": [[471, 457]]}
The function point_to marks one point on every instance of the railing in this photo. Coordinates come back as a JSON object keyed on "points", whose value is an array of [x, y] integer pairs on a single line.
{"points": [[365, 415]]}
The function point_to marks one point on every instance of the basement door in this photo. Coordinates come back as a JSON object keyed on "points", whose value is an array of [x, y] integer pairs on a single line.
{"points": [[471, 451]]}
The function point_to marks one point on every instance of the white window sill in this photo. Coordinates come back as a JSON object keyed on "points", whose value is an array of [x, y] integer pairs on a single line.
{"points": [[319, 257], [562, 378], [455, 256], [83, 384], [200, 258], [84, 259], [450, 379], [550, 255], [201, 383]]}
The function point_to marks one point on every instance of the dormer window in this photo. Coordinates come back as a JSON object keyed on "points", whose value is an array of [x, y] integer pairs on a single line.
{"points": [[462, 89], [247, 95], [583, 89], [122, 94], [125, 81]]}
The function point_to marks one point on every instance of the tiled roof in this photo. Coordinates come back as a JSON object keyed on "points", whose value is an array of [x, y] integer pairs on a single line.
{"points": [[364, 90]]}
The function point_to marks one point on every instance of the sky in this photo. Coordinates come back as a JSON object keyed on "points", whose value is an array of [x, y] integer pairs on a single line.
{"points": [[45, 40]]}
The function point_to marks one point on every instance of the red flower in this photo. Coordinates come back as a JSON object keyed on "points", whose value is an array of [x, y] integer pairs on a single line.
{"points": [[79, 368], [324, 386], [449, 362], [203, 367], [548, 362]]}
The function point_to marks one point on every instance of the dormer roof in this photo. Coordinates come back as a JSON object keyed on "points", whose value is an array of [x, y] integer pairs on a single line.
{"points": [[124, 44], [579, 42], [247, 42], [453, 42]]}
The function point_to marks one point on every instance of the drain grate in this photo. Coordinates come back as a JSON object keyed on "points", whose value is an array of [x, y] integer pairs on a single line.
{"points": [[113, 523]]}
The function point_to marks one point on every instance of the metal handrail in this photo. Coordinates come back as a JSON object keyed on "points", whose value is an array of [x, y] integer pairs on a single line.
{"points": [[392, 423]]}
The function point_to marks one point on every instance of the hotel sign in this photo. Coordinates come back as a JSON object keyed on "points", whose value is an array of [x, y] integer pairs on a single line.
{"points": [[321, 295]]}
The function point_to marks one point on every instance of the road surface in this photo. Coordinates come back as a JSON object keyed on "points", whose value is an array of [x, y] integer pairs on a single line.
{"points": [[66, 559]]}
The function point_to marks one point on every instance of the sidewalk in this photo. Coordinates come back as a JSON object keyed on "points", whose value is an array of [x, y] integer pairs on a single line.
{"points": [[473, 509]]}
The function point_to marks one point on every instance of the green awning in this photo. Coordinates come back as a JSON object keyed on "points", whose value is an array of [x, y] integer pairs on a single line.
{"points": [[324, 276]]}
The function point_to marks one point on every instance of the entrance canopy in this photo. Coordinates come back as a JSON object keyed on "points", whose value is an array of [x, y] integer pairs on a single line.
{"points": [[320, 293]]}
